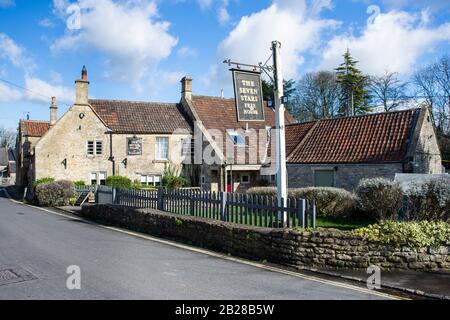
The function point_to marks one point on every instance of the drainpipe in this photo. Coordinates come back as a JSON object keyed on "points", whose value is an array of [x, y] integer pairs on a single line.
{"points": [[111, 156]]}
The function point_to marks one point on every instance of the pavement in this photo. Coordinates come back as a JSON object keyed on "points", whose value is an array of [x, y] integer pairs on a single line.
{"points": [[37, 247]]}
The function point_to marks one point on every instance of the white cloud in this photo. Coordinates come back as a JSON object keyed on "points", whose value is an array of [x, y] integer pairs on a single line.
{"points": [[223, 15], [186, 52], [14, 53], [8, 94], [394, 41], [292, 22], [7, 3], [46, 23], [39, 90], [128, 33], [205, 4]]}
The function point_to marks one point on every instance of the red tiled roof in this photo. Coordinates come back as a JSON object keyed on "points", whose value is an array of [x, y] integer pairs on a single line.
{"points": [[141, 117], [33, 128], [382, 137], [220, 114]]}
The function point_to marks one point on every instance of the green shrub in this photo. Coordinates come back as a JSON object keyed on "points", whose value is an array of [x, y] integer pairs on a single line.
{"points": [[430, 201], [331, 202], [118, 182], [172, 178], [410, 234], [55, 194], [43, 181], [379, 198], [79, 183]]}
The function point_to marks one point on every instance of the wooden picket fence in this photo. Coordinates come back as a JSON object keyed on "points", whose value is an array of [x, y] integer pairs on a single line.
{"points": [[255, 210]]}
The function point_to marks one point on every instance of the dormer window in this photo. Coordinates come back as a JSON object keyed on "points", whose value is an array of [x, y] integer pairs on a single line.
{"points": [[236, 137]]}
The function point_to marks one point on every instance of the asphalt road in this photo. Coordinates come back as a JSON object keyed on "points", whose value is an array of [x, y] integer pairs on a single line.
{"points": [[40, 246]]}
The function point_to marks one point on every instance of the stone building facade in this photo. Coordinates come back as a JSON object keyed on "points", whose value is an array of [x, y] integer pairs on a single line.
{"points": [[341, 152], [95, 139]]}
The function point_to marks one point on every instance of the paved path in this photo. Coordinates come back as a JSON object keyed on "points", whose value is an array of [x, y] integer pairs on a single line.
{"points": [[120, 266]]}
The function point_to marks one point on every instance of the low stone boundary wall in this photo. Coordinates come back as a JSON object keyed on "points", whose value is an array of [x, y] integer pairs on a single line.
{"points": [[322, 248]]}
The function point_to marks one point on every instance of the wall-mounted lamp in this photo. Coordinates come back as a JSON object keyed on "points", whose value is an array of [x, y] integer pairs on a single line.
{"points": [[125, 162], [64, 163]]}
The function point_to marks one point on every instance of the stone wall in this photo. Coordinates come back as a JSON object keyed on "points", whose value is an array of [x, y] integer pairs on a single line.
{"points": [[68, 140], [427, 156], [346, 176], [330, 248]]}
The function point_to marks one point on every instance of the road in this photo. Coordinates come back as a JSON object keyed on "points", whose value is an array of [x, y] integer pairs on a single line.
{"points": [[41, 246]]}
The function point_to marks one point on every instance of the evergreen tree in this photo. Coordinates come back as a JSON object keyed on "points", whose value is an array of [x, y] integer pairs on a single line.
{"points": [[290, 91], [354, 96]]}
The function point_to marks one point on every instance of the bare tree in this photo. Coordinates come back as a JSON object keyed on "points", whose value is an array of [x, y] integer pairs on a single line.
{"points": [[7, 138], [388, 91], [433, 85], [318, 96]]}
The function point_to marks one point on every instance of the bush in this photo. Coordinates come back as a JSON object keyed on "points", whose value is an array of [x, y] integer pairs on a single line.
{"points": [[331, 202], [55, 194], [379, 198], [430, 201], [410, 234], [79, 183], [118, 182], [42, 181], [172, 179]]}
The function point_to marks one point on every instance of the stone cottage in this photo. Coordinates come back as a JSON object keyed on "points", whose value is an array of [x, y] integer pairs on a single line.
{"points": [[238, 150], [95, 139], [340, 152]]}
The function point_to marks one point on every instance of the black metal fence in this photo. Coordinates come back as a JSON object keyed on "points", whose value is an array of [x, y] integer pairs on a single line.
{"points": [[256, 210]]}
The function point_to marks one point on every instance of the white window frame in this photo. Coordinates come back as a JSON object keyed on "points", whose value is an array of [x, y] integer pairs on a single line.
{"points": [[151, 180], [97, 144], [88, 148], [157, 151], [233, 134]]}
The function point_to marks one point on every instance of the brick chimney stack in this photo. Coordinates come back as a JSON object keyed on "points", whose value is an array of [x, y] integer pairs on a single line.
{"points": [[186, 88], [82, 88], [53, 112]]}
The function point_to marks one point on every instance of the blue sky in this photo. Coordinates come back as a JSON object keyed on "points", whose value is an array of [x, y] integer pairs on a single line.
{"points": [[140, 49]]}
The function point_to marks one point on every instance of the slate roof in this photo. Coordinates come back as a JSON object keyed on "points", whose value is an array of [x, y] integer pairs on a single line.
{"points": [[141, 117], [382, 137], [32, 128]]}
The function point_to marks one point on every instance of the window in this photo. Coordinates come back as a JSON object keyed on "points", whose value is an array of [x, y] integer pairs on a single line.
{"points": [[162, 148], [151, 181], [102, 178], [245, 179], [94, 178], [237, 139], [98, 178], [324, 178], [90, 148], [99, 148], [203, 180], [94, 147]]}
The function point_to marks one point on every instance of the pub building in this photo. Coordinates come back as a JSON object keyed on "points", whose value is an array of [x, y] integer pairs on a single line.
{"points": [[95, 139]]}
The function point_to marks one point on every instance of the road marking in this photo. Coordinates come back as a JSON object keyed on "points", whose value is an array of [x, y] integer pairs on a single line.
{"points": [[218, 255]]}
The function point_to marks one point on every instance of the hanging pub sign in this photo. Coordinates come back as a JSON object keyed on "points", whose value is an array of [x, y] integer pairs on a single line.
{"points": [[134, 146], [248, 94]]}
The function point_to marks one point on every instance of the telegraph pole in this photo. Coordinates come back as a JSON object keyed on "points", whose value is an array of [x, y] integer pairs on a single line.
{"points": [[280, 129]]}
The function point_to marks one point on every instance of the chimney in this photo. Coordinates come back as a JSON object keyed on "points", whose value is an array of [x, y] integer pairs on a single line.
{"points": [[81, 89], [186, 88], [53, 112]]}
